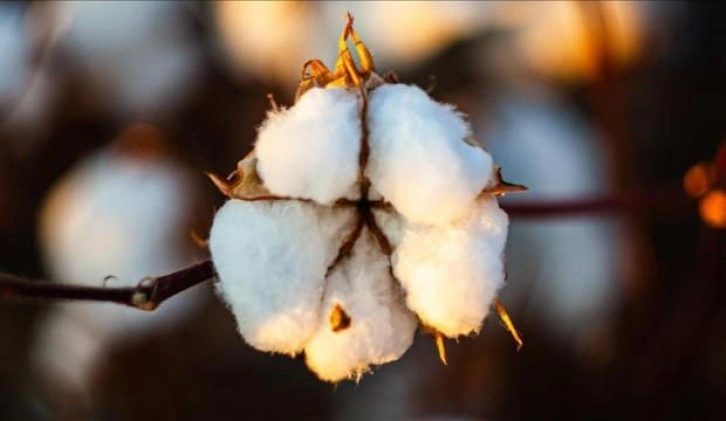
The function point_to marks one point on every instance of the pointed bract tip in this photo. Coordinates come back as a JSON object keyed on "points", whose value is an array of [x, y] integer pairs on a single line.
{"points": [[441, 347], [221, 184]]}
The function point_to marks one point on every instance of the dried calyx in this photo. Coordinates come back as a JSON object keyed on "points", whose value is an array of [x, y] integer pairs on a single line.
{"points": [[364, 209]]}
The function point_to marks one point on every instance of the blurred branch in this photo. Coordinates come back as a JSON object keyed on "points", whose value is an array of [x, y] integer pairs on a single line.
{"points": [[147, 295], [670, 200]]}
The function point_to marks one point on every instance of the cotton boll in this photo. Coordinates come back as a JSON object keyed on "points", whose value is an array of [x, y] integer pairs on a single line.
{"points": [[271, 258], [452, 274], [381, 328], [420, 159], [139, 53], [311, 150]]}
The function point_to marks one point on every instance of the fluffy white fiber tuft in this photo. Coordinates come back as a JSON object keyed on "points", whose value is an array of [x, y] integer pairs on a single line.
{"points": [[311, 150], [381, 327], [419, 158], [452, 274], [271, 258]]}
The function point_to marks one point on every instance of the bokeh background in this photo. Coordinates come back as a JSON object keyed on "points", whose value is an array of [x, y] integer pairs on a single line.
{"points": [[111, 112]]}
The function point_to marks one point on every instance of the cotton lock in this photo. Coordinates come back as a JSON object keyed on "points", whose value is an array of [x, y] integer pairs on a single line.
{"points": [[321, 132], [420, 160], [271, 259]]}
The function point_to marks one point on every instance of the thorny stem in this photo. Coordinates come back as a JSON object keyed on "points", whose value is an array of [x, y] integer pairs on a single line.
{"points": [[147, 295]]}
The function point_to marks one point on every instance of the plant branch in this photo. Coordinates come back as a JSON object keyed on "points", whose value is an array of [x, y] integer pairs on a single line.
{"points": [[661, 201], [147, 295]]}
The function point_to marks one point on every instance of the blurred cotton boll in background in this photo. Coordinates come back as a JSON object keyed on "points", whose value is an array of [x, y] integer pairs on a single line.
{"points": [[27, 89], [571, 274], [13, 50], [124, 212], [563, 39], [143, 66]]}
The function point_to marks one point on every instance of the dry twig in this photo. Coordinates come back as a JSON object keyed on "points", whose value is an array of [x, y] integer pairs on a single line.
{"points": [[147, 295]]}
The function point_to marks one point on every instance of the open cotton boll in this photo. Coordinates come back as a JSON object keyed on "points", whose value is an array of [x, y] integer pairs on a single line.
{"points": [[380, 328], [451, 274], [311, 150], [420, 159], [271, 258]]}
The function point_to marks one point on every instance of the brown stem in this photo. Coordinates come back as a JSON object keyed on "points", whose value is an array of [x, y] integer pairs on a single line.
{"points": [[661, 201], [147, 295]]}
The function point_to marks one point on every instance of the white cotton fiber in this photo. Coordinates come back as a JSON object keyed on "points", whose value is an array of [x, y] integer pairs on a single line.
{"points": [[311, 150], [420, 160], [271, 258], [451, 274], [381, 327]]}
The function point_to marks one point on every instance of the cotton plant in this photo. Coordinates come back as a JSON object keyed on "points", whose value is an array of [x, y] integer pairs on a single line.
{"points": [[364, 210]]}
